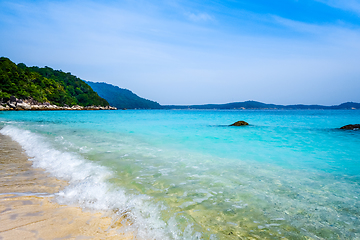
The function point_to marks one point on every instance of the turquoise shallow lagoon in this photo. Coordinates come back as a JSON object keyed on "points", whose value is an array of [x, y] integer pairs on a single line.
{"points": [[187, 175]]}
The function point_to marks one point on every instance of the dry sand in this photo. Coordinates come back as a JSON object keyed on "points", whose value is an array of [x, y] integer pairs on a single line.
{"points": [[27, 210]]}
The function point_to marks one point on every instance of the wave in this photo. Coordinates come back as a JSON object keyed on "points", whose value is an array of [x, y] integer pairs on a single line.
{"points": [[89, 188]]}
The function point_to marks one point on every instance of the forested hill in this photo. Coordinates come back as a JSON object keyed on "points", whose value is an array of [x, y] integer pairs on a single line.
{"points": [[122, 98], [45, 85]]}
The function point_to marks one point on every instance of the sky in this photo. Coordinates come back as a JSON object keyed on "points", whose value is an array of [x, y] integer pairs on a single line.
{"points": [[195, 52]]}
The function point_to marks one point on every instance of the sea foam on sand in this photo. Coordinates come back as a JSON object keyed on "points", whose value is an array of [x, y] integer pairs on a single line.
{"points": [[27, 210], [88, 188]]}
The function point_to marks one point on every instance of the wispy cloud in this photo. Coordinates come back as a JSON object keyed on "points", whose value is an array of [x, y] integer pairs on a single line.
{"points": [[348, 5], [326, 33], [199, 17], [223, 55]]}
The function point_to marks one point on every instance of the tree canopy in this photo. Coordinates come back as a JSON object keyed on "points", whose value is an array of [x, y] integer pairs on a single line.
{"points": [[45, 85]]}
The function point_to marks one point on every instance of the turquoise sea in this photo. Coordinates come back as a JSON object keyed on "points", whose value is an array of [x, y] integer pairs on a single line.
{"points": [[187, 175]]}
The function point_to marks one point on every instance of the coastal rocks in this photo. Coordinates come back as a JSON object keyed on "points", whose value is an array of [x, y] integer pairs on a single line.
{"points": [[23, 106], [351, 127], [31, 104], [239, 123], [4, 108], [99, 108], [76, 107], [13, 99], [12, 105]]}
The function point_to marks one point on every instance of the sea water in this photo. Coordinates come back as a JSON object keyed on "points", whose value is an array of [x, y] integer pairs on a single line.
{"points": [[171, 174]]}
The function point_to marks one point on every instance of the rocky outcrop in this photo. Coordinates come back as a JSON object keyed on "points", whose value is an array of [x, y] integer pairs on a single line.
{"points": [[3, 108], [12, 105], [31, 104], [23, 106], [239, 123], [351, 127]]}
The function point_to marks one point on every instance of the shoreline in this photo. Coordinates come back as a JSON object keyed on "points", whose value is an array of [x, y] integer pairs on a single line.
{"points": [[27, 204], [15, 104], [58, 109], [53, 108]]}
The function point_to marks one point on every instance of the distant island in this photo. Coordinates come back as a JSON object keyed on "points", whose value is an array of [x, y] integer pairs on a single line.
{"points": [[34, 88], [260, 105]]}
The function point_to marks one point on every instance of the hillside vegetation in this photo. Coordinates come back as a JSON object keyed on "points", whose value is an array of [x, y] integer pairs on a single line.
{"points": [[63, 89], [45, 85], [122, 98]]}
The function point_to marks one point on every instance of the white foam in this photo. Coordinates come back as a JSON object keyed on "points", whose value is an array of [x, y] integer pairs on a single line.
{"points": [[89, 189]]}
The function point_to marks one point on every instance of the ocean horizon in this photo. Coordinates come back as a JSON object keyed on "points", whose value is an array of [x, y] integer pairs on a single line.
{"points": [[186, 174]]}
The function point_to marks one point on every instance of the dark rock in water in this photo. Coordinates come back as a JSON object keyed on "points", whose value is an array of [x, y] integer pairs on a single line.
{"points": [[239, 123], [351, 127]]}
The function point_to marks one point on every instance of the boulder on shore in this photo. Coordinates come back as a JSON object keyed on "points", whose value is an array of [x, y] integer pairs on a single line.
{"points": [[2, 108], [30, 104], [23, 106], [351, 127], [239, 123], [12, 104], [13, 99]]}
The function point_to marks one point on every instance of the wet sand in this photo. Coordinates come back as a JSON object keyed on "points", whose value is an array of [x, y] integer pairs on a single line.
{"points": [[27, 209]]}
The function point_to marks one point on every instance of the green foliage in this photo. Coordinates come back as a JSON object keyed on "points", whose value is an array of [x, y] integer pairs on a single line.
{"points": [[122, 98], [4, 95], [45, 85]]}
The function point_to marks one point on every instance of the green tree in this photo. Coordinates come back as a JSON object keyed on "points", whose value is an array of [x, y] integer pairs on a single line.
{"points": [[45, 84]]}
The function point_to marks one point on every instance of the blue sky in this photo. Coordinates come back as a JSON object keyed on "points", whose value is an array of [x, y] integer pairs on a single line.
{"points": [[195, 52]]}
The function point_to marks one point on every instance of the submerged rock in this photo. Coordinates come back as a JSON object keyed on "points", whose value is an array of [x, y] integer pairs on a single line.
{"points": [[239, 123], [351, 127]]}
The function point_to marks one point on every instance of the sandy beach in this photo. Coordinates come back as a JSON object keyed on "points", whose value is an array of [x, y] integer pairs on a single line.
{"points": [[27, 207]]}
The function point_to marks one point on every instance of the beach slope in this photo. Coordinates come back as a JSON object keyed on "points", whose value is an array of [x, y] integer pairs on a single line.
{"points": [[27, 209]]}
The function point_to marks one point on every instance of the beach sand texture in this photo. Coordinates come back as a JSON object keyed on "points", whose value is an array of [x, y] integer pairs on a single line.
{"points": [[27, 210]]}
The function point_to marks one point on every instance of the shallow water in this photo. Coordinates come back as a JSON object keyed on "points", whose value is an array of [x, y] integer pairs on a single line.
{"points": [[188, 175]]}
